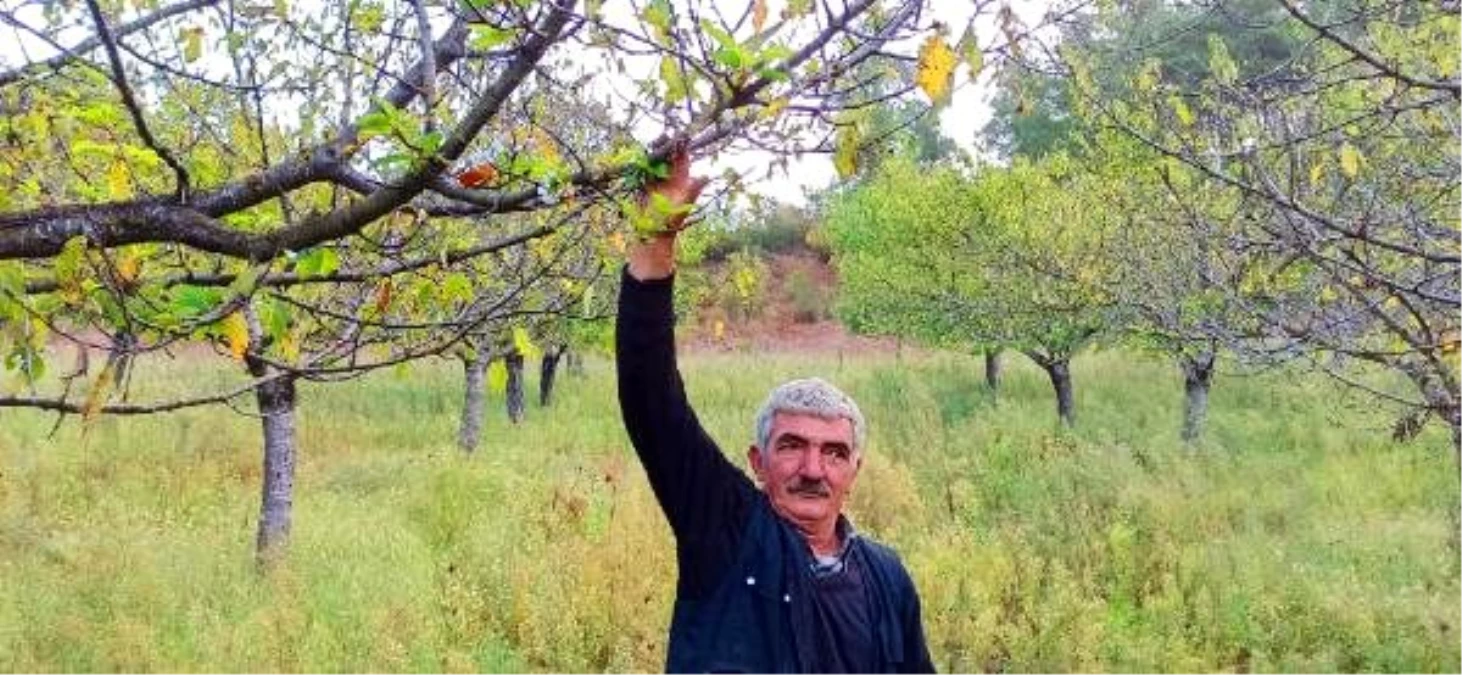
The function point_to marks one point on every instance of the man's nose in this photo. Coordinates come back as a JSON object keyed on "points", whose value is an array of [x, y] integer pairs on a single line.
{"points": [[812, 464]]}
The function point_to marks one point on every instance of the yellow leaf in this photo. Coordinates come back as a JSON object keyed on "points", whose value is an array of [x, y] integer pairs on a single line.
{"points": [[719, 328], [1317, 175], [1180, 109], [119, 183], [774, 107], [676, 89], [936, 69], [1349, 160], [758, 15], [192, 39], [96, 394], [289, 346], [524, 344], [497, 376], [236, 334], [128, 266]]}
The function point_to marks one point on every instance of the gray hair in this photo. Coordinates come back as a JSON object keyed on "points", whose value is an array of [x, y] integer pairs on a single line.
{"points": [[810, 396]]}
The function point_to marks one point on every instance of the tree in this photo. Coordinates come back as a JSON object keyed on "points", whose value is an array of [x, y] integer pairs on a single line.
{"points": [[1347, 166], [313, 188], [1009, 258]]}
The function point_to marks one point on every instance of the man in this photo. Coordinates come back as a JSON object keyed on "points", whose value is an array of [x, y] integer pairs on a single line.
{"points": [[772, 579]]}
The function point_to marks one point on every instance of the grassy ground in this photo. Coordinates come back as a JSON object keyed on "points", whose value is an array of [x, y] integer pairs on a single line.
{"points": [[1298, 539]]}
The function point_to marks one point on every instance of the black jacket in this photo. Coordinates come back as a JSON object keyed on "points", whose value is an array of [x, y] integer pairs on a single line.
{"points": [[745, 574]]}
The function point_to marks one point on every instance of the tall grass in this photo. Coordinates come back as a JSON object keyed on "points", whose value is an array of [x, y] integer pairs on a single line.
{"points": [[1296, 538]]}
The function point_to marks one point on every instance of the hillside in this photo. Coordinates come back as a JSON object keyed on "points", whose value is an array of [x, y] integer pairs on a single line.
{"points": [[791, 311]]}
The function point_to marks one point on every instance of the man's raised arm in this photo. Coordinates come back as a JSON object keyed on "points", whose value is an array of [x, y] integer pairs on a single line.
{"points": [[702, 493]]}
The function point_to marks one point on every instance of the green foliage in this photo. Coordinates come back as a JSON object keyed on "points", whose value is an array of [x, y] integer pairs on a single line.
{"points": [[1012, 257]]}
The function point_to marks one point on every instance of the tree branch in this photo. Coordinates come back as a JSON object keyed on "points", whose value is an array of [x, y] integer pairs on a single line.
{"points": [[119, 79]]}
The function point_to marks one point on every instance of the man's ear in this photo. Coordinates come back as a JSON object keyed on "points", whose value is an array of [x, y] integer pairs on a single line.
{"points": [[753, 457]]}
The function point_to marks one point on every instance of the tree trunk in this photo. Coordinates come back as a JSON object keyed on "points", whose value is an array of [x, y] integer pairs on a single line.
{"points": [[1455, 420], [575, 363], [514, 363], [992, 371], [276, 399], [546, 372], [473, 398], [1197, 380], [1058, 369]]}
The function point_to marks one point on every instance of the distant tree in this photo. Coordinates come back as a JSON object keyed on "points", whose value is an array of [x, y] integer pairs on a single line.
{"points": [[1011, 258]]}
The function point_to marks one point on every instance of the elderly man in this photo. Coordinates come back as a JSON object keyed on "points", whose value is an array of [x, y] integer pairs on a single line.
{"points": [[775, 578]]}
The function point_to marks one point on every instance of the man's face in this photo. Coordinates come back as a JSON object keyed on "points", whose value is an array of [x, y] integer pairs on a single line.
{"points": [[808, 468]]}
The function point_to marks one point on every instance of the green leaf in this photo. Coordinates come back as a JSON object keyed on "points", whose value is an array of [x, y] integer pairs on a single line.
{"points": [[70, 263], [12, 278], [969, 49], [722, 38], [273, 317], [191, 301], [772, 74], [457, 288], [374, 124], [317, 262], [244, 283], [394, 161], [430, 143], [732, 57], [485, 37]]}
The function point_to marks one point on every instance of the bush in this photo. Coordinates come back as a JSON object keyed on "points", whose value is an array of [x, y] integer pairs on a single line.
{"points": [[809, 299]]}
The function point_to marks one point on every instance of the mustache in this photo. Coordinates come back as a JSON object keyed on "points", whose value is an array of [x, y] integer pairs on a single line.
{"points": [[811, 488]]}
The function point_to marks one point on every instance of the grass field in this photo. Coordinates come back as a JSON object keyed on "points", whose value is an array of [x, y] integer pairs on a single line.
{"points": [[1299, 538]]}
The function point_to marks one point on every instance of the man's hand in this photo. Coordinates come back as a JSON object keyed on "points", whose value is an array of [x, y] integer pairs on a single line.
{"points": [[654, 257]]}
